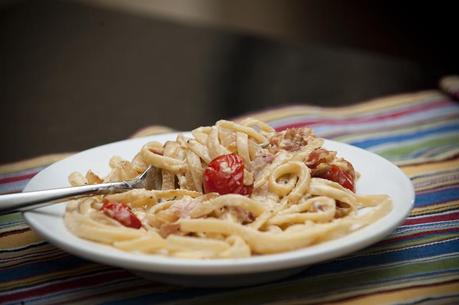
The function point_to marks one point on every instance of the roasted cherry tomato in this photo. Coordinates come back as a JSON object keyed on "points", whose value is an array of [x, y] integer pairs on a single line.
{"points": [[122, 213], [225, 175], [338, 175]]}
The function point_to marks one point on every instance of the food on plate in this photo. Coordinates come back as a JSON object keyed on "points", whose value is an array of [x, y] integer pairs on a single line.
{"points": [[231, 190]]}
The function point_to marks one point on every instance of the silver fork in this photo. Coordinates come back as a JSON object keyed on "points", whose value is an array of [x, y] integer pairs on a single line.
{"points": [[31, 200]]}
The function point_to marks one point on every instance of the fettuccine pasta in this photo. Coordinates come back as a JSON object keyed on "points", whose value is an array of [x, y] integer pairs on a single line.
{"points": [[231, 190]]}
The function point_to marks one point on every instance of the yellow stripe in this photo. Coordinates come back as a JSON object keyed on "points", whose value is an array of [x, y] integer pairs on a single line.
{"points": [[42, 249], [391, 101], [19, 239], [435, 208], [31, 163], [432, 186], [431, 167], [152, 130], [372, 105], [405, 295], [433, 182], [41, 257]]}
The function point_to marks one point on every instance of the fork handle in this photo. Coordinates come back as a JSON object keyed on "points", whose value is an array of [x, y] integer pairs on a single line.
{"points": [[30, 200]]}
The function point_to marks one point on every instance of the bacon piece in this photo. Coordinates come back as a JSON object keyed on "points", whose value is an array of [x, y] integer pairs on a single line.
{"points": [[290, 139], [260, 162], [183, 207], [169, 228], [242, 215], [318, 156], [324, 164]]}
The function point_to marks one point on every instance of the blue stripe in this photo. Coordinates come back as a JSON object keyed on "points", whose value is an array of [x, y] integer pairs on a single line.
{"points": [[444, 224], [16, 220], [407, 136], [43, 267], [16, 186], [437, 197], [429, 300], [182, 294]]}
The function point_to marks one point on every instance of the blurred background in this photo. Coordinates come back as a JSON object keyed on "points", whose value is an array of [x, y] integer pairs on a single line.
{"points": [[77, 74]]}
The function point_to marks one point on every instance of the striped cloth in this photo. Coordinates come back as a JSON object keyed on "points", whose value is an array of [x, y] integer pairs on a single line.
{"points": [[417, 264]]}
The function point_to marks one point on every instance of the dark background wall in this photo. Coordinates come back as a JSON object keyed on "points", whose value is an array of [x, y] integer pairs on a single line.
{"points": [[73, 75]]}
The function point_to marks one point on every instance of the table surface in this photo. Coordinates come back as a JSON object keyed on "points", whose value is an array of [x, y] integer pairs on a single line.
{"points": [[417, 264]]}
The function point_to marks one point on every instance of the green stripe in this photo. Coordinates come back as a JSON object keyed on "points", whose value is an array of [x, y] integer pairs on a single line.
{"points": [[400, 151], [13, 217], [400, 245]]}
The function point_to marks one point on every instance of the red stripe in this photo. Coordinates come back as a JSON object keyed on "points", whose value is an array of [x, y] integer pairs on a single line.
{"points": [[436, 218], [17, 178], [361, 119], [418, 234], [76, 282]]}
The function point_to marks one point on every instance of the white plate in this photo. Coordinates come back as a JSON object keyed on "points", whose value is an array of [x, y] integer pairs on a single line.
{"points": [[378, 176]]}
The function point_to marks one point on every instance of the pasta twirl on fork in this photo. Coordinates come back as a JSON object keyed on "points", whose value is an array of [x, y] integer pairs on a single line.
{"points": [[231, 190]]}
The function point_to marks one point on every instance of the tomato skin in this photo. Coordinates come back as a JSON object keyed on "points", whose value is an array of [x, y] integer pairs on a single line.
{"points": [[338, 175], [122, 213], [225, 175]]}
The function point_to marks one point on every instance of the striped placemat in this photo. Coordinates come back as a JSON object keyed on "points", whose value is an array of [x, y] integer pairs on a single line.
{"points": [[417, 264]]}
